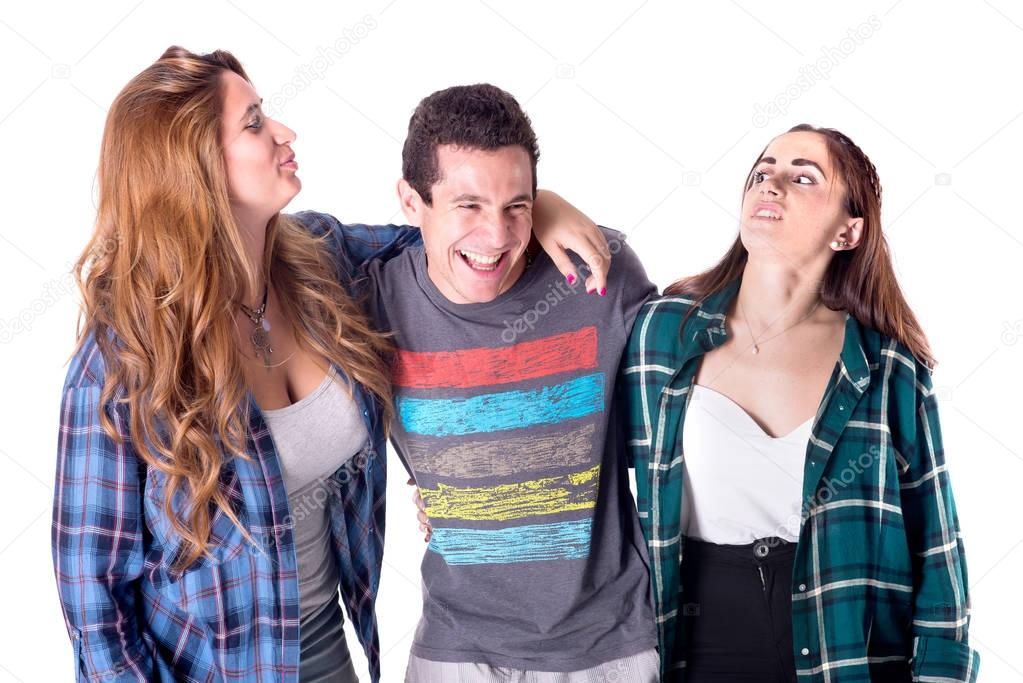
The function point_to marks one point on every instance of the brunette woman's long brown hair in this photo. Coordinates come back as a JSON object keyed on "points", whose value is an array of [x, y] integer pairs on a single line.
{"points": [[163, 270], [861, 280]]}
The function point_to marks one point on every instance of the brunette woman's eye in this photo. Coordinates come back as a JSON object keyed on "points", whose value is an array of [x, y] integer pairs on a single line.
{"points": [[810, 179], [758, 177], [256, 125]]}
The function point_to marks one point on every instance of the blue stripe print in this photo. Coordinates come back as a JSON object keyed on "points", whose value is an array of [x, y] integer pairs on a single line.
{"points": [[504, 410], [532, 543]]}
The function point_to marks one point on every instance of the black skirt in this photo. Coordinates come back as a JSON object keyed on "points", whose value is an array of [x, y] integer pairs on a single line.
{"points": [[736, 606]]}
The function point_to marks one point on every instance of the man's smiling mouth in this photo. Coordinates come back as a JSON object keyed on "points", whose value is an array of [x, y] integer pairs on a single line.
{"points": [[483, 262]]}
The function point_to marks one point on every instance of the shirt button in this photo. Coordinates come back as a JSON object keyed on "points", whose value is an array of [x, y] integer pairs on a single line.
{"points": [[802, 587], [805, 651], [841, 407]]}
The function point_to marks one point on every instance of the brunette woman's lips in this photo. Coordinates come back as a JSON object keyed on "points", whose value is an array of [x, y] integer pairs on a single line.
{"points": [[290, 163], [767, 210]]}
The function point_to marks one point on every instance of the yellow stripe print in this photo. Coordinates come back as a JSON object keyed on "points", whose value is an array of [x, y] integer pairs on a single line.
{"points": [[546, 496]]}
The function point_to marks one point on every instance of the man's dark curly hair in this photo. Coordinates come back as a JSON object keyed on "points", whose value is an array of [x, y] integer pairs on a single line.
{"points": [[480, 116]]}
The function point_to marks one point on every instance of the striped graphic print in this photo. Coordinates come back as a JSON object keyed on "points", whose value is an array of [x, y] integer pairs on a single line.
{"points": [[503, 457], [544, 496], [530, 543], [518, 462], [503, 410], [485, 367]]}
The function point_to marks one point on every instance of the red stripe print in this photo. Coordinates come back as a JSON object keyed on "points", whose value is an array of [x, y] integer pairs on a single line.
{"points": [[484, 367]]}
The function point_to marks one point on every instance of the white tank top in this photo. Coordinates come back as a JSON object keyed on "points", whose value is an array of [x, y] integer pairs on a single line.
{"points": [[739, 483]]}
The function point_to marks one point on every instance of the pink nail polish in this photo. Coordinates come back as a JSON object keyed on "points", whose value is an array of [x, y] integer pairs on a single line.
{"points": [[570, 278], [603, 291], [590, 291]]}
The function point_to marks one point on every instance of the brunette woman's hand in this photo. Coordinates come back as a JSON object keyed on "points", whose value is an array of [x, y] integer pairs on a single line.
{"points": [[424, 521], [559, 227]]}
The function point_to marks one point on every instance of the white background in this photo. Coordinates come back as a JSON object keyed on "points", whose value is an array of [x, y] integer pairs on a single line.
{"points": [[645, 113]]}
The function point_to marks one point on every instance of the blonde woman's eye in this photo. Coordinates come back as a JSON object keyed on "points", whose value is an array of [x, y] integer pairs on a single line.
{"points": [[758, 177]]}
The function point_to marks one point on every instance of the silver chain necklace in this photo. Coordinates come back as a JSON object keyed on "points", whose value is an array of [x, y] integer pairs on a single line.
{"points": [[756, 342]]}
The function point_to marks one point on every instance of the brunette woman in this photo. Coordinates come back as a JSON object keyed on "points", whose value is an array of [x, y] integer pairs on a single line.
{"points": [[783, 424]]}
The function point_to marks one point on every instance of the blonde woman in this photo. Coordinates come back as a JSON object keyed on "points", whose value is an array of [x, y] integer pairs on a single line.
{"points": [[220, 471]]}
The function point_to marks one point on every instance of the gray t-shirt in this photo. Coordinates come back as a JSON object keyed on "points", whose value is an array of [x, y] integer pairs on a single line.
{"points": [[505, 419]]}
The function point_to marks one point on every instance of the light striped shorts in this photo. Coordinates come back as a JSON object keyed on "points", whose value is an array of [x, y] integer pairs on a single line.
{"points": [[637, 668]]}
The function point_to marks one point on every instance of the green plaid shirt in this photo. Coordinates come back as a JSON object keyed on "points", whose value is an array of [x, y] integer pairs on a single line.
{"points": [[879, 585]]}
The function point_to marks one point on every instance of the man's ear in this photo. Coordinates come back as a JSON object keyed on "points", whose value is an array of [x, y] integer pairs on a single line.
{"points": [[412, 205]]}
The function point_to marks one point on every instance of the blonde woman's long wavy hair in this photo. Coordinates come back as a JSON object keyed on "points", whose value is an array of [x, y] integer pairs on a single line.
{"points": [[167, 288]]}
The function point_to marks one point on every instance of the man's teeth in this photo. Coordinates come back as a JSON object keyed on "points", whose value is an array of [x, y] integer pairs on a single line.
{"points": [[767, 213], [480, 259]]}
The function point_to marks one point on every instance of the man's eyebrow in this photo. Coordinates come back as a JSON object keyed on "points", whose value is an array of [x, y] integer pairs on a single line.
{"points": [[469, 198], [252, 108], [465, 197]]}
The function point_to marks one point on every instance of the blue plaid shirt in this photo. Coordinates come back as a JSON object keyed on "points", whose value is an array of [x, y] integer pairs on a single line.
{"points": [[234, 615]]}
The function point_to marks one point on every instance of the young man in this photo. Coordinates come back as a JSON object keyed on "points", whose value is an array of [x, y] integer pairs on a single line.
{"points": [[504, 386]]}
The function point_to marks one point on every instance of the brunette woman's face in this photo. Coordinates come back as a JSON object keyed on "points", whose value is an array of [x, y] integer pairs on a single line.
{"points": [[261, 168], [794, 205]]}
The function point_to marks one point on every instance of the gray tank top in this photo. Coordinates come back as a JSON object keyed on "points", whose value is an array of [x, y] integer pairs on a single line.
{"points": [[314, 437]]}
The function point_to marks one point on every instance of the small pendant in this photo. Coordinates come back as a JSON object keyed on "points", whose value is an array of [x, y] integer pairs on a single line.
{"points": [[261, 341], [756, 349]]}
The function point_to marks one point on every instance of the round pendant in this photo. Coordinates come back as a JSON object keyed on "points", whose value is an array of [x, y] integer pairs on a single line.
{"points": [[260, 338], [266, 324]]}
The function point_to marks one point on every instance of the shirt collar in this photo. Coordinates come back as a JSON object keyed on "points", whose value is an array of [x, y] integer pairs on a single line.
{"points": [[705, 329], [708, 318], [853, 358]]}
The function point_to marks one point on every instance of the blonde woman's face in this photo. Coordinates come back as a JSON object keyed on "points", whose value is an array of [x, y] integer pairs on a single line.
{"points": [[261, 167]]}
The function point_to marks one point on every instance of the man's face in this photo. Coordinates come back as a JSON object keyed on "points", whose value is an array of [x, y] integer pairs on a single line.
{"points": [[477, 230]]}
